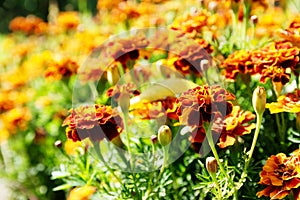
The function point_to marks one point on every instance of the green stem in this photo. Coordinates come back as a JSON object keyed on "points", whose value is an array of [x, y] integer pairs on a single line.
{"points": [[283, 127], [256, 133], [98, 151], [131, 161], [214, 178], [215, 153], [279, 127], [165, 150]]}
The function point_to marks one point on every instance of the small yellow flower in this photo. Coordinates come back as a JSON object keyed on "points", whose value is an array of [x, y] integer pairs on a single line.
{"points": [[81, 193]]}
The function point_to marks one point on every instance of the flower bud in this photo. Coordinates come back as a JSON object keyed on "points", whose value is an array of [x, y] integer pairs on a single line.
{"points": [[259, 100], [164, 135], [154, 139], [211, 165], [254, 19], [58, 143], [124, 102]]}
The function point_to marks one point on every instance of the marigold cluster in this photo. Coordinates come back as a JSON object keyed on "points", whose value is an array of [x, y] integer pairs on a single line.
{"points": [[275, 61], [29, 25], [281, 175]]}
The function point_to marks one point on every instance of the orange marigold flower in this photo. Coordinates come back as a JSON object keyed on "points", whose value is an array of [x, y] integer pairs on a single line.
{"points": [[116, 91], [238, 62], [236, 124], [286, 103], [63, 69], [107, 4], [275, 61], [201, 103], [29, 25], [281, 174], [94, 122], [192, 24], [156, 109], [292, 33], [124, 49], [15, 119], [68, 20], [189, 58], [81, 193]]}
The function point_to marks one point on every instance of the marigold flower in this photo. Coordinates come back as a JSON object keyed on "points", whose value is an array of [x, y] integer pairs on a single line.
{"points": [[68, 20], [236, 124], [71, 147], [266, 25], [238, 62], [124, 49], [94, 122], [107, 4], [63, 69], [29, 25], [189, 58], [286, 103], [201, 103], [81, 193], [273, 61], [281, 175], [16, 119], [156, 109], [116, 91], [292, 33], [192, 24]]}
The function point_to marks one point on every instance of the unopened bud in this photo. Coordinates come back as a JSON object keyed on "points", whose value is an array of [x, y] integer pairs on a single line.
{"points": [[124, 102], [259, 100], [254, 19], [164, 135], [58, 143], [211, 165], [154, 139]]}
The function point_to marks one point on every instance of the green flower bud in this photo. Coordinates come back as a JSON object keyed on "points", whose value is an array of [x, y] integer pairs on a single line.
{"points": [[259, 100], [124, 102], [211, 165], [164, 135]]}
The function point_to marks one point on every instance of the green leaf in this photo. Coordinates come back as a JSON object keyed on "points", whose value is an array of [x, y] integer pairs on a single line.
{"points": [[59, 175], [62, 187]]}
